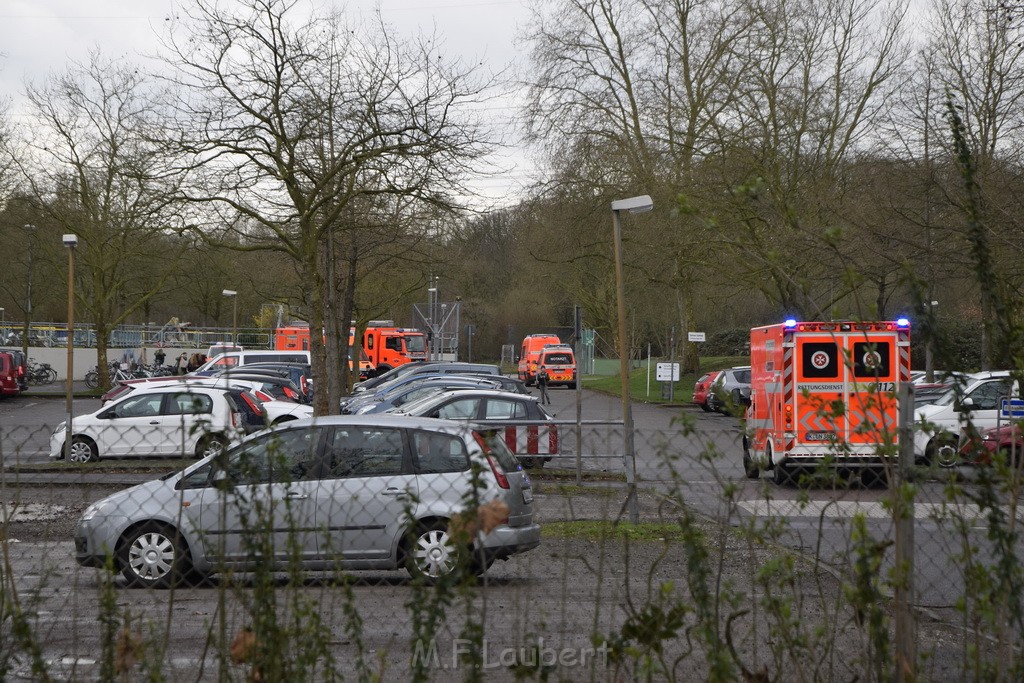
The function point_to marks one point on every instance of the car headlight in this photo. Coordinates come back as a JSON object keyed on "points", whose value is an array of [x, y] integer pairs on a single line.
{"points": [[59, 429], [93, 510]]}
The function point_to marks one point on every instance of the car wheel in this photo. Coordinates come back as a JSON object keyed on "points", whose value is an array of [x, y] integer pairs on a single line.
{"points": [[704, 406], [212, 444], [154, 556], [83, 449], [942, 451], [432, 554], [749, 468], [783, 475]]}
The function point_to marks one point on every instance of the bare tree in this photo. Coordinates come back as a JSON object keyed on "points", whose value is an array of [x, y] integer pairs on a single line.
{"points": [[99, 166], [973, 58], [287, 122]]}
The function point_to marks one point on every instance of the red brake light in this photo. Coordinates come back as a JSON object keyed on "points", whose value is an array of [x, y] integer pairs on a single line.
{"points": [[256, 407], [498, 474], [290, 393], [495, 468], [262, 396]]}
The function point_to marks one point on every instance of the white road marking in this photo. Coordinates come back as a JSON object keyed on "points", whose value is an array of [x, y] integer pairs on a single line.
{"points": [[848, 508]]}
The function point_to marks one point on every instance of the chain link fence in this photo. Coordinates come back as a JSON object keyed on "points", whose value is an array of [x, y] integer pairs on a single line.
{"points": [[375, 549]]}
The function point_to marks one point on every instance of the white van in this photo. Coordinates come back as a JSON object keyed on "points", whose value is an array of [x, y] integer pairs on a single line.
{"points": [[978, 401], [236, 358], [223, 347]]}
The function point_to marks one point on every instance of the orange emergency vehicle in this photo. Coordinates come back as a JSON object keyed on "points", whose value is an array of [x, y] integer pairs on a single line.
{"points": [[560, 363], [388, 346], [384, 345], [529, 355], [296, 338], [823, 392]]}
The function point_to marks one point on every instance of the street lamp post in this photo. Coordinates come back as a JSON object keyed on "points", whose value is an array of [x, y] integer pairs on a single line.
{"points": [[70, 241], [28, 290], [632, 205], [234, 314], [431, 305], [444, 316]]}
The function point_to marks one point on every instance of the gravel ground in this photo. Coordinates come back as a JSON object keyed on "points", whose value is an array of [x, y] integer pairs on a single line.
{"points": [[543, 614]]}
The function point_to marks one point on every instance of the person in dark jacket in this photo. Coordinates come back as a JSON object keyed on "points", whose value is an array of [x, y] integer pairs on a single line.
{"points": [[542, 384]]}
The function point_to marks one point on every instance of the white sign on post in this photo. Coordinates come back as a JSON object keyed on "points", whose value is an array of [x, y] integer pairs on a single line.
{"points": [[695, 336], [667, 372]]}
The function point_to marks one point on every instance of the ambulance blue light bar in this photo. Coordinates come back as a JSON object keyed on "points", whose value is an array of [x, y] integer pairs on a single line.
{"points": [[902, 322], [790, 322]]}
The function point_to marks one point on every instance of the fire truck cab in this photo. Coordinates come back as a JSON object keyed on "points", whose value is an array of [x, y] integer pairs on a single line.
{"points": [[824, 392], [388, 346]]}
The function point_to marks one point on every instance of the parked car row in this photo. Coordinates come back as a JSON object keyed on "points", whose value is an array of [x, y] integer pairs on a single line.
{"points": [[723, 391], [194, 415], [973, 409]]}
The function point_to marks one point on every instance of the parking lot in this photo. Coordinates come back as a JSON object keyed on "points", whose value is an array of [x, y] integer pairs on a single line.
{"points": [[691, 557]]}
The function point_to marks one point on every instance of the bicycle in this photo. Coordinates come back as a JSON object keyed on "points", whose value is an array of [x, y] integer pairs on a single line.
{"points": [[40, 373], [92, 378]]}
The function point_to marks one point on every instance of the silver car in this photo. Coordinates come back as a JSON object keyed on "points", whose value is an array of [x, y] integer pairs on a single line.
{"points": [[730, 391], [347, 492]]}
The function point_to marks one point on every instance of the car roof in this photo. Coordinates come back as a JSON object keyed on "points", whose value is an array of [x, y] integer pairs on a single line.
{"points": [[382, 420], [485, 393]]}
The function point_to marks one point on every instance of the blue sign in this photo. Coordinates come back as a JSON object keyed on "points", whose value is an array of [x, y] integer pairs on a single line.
{"points": [[1012, 407]]}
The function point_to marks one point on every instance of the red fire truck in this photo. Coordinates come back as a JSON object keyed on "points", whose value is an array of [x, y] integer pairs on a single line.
{"points": [[384, 345], [823, 392]]}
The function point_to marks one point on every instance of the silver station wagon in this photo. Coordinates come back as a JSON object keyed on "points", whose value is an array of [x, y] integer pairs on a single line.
{"points": [[346, 492]]}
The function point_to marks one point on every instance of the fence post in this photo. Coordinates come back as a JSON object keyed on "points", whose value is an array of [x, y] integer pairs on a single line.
{"points": [[902, 495]]}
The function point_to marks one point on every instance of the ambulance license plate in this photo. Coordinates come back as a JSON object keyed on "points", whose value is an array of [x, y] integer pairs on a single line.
{"points": [[820, 436]]}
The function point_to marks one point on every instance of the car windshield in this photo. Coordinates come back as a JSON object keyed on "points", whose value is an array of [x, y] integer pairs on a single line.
{"points": [[415, 344], [557, 359], [948, 397], [415, 406]]}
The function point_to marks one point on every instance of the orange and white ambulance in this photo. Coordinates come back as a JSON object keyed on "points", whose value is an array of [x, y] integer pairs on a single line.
{"points": [[560, 363], [824, 392], [529, 355]]}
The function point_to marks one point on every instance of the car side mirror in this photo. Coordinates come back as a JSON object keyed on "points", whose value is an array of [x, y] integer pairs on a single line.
{"points": [[221, 480], [966, 405], [107, 414]]}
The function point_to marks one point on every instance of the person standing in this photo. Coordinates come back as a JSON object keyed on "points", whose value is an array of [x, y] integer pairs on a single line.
{"points": [[542, 384], [159, 357], [182, 364]]}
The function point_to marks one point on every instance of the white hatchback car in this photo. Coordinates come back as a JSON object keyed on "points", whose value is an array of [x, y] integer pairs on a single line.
{"points": [[162, 420]]}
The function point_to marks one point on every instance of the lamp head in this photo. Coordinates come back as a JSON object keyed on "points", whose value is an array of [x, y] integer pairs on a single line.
{"points": [[70, 240], [229, 292], [634, 204]]}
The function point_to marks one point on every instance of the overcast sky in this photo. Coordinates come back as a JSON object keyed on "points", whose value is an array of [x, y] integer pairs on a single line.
{"points": [[40, 36]]}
